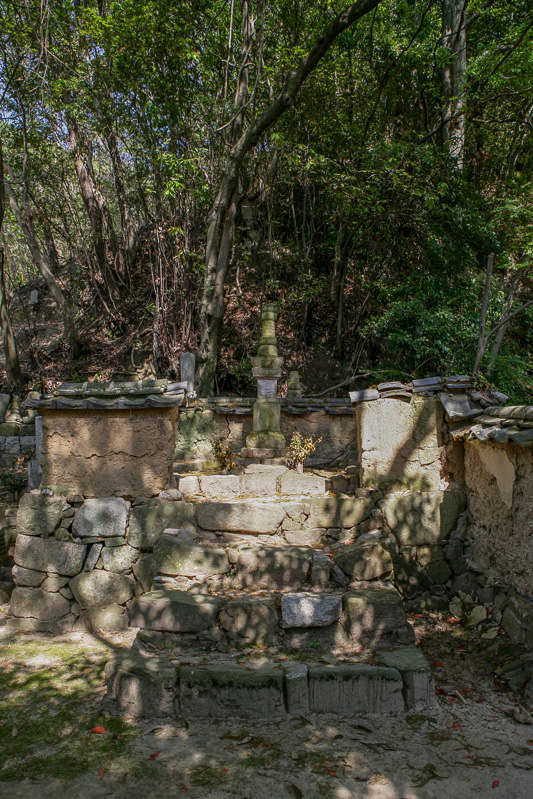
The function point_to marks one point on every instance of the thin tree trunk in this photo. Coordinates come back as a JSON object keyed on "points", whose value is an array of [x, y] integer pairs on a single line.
{"points": [[222, 215], [453, 76], [482, 341], [14, 372]]}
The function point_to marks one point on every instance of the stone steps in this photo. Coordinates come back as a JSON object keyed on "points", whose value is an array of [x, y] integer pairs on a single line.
{"points": [[371, 616], [398, 681]]}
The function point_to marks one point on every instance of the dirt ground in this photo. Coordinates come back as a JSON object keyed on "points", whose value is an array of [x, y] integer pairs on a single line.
{"points": [[58, 740]]}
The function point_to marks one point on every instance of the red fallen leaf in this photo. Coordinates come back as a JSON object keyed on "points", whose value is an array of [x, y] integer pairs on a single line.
{"points": [[225, 769], [260, 744], [438, 663], [529, 743], [495, 783], [268, 747], [99, 730], [101, 774], [457, 727], [1, 723], [451, 699], [440, 691], [467, 756], [154, 755], [331, 773], [480, 699]]}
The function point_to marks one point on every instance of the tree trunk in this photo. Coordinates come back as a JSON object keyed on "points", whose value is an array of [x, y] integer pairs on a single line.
{"points": [[39, 260], [14, 372], [222, 215], [453, 76]]}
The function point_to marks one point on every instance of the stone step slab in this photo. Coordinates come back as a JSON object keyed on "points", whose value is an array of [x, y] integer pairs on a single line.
{"points": [[174, 556], [240, 517], [308, 610], [273, 567], [150, 686], [174, 611], [374, 614], [418, 685], [250, 619], [347, 689], [222, 690], [339, 511]]}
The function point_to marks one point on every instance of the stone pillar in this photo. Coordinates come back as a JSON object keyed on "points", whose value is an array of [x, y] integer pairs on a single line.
{"points": [[188, 369], [266, 439], [293, 389]]}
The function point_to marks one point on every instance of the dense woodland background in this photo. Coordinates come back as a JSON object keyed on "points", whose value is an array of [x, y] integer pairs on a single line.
{"points": [[170, 165]]}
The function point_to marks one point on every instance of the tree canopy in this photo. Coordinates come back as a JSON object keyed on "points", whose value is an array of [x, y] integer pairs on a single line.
{"points": [[170, 165]]}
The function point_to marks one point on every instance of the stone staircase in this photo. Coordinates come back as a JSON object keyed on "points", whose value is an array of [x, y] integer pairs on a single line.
{"points": [[274, 599]]}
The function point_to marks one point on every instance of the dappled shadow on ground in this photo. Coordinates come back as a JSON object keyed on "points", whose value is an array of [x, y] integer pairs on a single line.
{"points": [[51, 687]]}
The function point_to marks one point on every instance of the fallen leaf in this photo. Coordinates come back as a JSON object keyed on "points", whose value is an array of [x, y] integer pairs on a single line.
{"points": [[477, 615], [440, 691], [99, 730], [495, 783], [331, 773], [101, 774], [245, 740], [438, 663], [154, 755]]}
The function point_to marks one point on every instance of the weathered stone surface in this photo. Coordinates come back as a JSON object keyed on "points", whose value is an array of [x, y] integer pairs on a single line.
{"points": [[174, 611], [400, 441], [109, 617], [92, 557], [310, 610], [142, 686], [49, 555], [174, 556], [423, 517], [418, 686], [119, 559], [339, 511], [38, 604], [260, 483], [104, 518], [147, 522], [53, 583], [274, 567], [240, 517], [219, 690], [297, 694], [373, 614], [320, 570], [189, 485], [250, 619], [38, 515], [99, 588], [293, 483], [364, 561], [346, 689], [144, 571], [171, 495], [223, 486], [109, 453], [27, 577], [409, 577]]}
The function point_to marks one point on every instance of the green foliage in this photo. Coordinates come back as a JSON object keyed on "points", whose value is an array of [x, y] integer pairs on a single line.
{"points": [[224, 455], [300, 447]]}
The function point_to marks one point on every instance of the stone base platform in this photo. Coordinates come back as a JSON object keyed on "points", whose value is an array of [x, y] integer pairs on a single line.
{"points": [[141, 684]]}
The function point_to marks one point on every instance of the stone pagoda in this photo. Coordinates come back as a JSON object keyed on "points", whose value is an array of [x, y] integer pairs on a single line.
{"points": [[266, 440]]}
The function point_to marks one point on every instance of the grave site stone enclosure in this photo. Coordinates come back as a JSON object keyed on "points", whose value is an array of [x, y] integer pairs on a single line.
{"points": [[417, 493]]}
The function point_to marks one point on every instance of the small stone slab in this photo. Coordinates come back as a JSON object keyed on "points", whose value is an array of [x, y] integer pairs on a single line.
{"points": [[27, 577], [220, 486], [457, 409], [98, 588], [119, 559], [54, 583], [39, 515], [260, 484], [274, 567], [424, 517], [309, 610], [141, 686], [373, 614], [418, 685], [189, 486], [228, 690], [293, 483], [174, 556], [426, 382], [240, 517], [104, 517], [47, 554], [347, 689], [147, 522], [364, 396], [250, 619], [109, 617], [339, 511], [38, 604], [174, 611], [364, 561], [296, 689]]}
